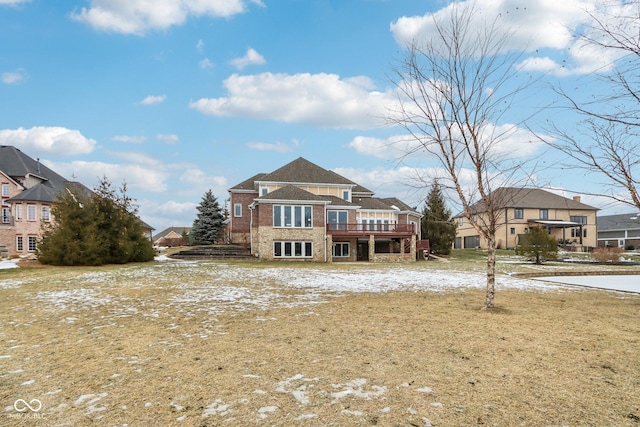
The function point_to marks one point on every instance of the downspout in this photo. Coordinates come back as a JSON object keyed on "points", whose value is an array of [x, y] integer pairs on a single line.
{"points": [[326, 237], [251, 208]]}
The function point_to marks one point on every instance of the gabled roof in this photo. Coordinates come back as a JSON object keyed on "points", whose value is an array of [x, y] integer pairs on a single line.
{"points": [[299, 171], [302, 171], [511, 197], [629, 221], [177, 230], [249, 184], [292, 193], [372, 203], [15, 163], [18, 166]]}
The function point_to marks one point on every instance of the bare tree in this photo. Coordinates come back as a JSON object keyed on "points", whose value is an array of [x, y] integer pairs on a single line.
{"points": [[606, 141], [454, 89]]}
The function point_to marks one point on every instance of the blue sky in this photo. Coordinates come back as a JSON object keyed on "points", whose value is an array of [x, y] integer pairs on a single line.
{"points": [[176, 97]]}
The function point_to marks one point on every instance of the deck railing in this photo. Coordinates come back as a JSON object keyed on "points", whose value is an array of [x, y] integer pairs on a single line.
{"points": [[365, 229]]}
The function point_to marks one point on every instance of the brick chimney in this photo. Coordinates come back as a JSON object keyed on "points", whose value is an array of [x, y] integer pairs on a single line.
{"points": [[576, 199]]}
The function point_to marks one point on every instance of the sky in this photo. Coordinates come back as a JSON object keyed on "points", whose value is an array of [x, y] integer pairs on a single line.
{"points": [[177, 97]]}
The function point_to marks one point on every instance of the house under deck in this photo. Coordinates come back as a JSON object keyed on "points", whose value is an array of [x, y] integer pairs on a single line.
{"points": [[372, 242]]}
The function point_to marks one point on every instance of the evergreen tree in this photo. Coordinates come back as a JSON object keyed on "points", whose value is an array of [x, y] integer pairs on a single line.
{"points": [[94, 229], [437, 224], [538, 246], [207, 227]]}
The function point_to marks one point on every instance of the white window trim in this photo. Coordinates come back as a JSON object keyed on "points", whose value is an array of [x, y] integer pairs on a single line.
{"points": [[237, 207], [33, 239], [283, 224], [342, 245], [31, 212], [282, 244]]}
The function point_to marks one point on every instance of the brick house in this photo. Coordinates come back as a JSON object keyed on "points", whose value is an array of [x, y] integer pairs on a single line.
{"points": [[570, 221], [28, 191], [304, 212]]}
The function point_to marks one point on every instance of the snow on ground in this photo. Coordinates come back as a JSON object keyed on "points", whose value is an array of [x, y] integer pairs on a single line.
{"points": [[197, 286], [8, 263]]}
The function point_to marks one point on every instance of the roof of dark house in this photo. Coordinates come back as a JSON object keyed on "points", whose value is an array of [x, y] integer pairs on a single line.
{"points": [[629, 221]]}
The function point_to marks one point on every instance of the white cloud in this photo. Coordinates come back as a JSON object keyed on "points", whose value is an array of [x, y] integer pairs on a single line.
{"points": [[252, 57], [323, 100], [506, 141], [138, 177], [129, 139], [13, 77], [531, 25], [13, 2], [140, 16], [549, 27], [199, 182], [205, 63], [152, 100], [168, 138], [391, 148], [279, 147], [58, 141]]}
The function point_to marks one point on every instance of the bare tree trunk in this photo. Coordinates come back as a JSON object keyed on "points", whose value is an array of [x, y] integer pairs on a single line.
{"points": [[491, 273]]}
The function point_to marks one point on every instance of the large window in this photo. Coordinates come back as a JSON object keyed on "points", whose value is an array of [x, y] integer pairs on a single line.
{"points": [[337, 220], [6, 190], [292, 249], [544, 213], [518, 213], [19, 244], [580, 219], [292, 216], [341, 249], [19, 211]]}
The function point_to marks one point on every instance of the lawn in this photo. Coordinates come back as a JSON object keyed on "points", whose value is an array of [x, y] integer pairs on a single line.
{"points": [[207, 343]]}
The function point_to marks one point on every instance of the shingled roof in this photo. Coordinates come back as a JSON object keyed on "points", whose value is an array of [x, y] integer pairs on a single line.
{"points": [[18, 166], [618, 222], [510, 197], [302, 171], [292, 193]]}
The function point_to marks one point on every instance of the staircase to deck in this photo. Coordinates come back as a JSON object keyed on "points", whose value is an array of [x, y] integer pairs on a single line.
{"points": [[221, 252]]}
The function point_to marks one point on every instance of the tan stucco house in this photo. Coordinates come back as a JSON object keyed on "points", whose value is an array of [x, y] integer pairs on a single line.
{"points": [[570, 221], [302, 211]]}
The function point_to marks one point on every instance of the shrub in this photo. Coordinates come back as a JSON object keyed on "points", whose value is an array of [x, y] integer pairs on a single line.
{"points": [[610, 255], [538, 246]]}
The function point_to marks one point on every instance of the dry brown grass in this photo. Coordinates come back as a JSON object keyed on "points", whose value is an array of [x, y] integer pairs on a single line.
{"points": [[398, 359]]}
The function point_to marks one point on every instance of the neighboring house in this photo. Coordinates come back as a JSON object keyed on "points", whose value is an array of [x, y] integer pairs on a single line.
{"points": [[304, 212], [571, 222], [172, 236], [621, 231], [28, 191]]}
